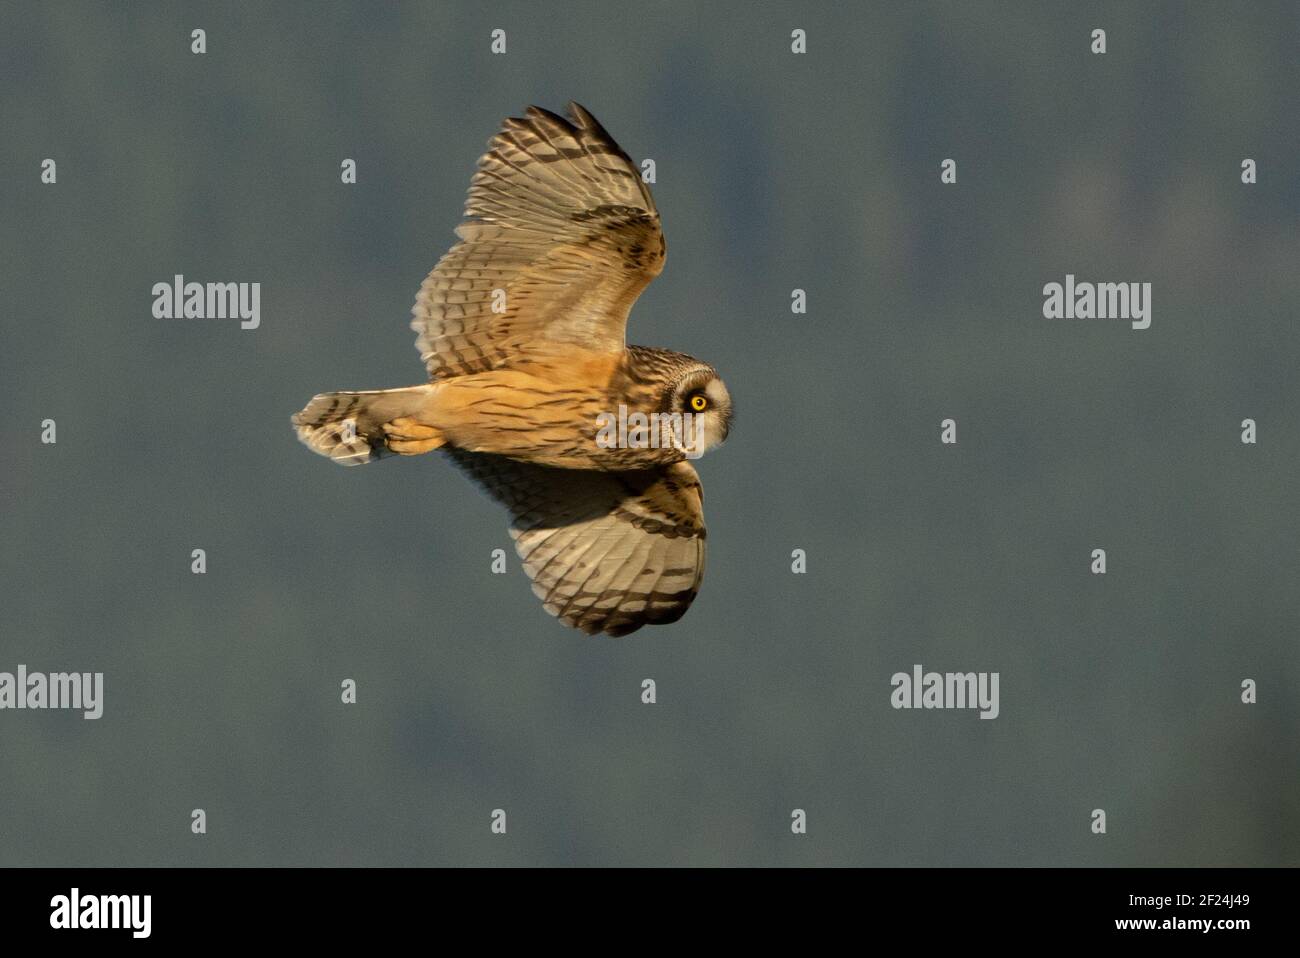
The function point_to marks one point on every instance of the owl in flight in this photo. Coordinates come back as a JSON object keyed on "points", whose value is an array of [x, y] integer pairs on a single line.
{"points": [[522, 327]]}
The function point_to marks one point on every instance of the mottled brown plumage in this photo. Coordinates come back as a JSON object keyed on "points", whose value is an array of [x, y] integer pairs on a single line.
{"points": [[522, 327]]}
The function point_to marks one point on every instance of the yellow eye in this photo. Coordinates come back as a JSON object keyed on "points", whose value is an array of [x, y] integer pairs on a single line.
{"points": [[699, 403]]}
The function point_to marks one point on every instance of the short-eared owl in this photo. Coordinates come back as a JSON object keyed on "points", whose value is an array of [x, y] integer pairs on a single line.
{"points": [[522, 327]]}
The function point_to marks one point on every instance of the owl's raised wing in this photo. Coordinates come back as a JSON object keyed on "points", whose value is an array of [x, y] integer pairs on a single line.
{"points": [[607, 551], [561, 235]]}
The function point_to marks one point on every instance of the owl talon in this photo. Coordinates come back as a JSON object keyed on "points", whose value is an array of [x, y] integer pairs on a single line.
{"points": [[414, 448], [409, 437], [408, 428]]}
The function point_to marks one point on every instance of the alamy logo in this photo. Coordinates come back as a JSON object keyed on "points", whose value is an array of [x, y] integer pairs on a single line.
{"points": [[55, 690], [102, 911], [181, 300], [659, 430], [1131, 301], [946, 690]]}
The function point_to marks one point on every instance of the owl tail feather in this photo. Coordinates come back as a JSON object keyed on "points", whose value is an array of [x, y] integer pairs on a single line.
{"points": [[354, 428]]}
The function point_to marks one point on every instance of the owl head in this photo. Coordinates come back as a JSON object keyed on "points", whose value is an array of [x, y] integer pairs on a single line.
{"points": [[701, 397]]}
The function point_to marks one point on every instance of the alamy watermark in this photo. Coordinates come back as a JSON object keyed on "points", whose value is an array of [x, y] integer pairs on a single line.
{"points": [[658, 430], [1071, 300], [946, 690], [75, 911], [53, 690], [181, 300]]}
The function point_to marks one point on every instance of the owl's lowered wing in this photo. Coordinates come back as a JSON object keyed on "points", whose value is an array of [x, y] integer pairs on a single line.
{"points": [[560, 222], [607, 551]]}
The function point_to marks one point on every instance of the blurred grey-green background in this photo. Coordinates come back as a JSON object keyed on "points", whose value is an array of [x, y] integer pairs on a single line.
{"points": [[775, 171]]}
